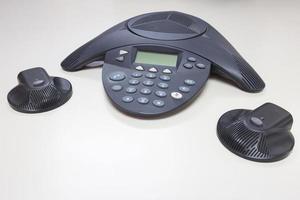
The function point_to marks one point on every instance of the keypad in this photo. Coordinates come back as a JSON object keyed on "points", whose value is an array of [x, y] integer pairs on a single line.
{"points": [[150, 86]]}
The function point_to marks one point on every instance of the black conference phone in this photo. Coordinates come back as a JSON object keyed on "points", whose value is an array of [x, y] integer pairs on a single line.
{"points": [[156, 63]]}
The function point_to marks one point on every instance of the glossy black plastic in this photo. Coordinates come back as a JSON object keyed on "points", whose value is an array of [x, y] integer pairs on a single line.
{"points": [[38, 92], [261, 135]]}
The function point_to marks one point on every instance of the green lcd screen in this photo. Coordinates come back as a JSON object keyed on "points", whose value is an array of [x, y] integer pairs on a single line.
{"points": [[153, 58]]}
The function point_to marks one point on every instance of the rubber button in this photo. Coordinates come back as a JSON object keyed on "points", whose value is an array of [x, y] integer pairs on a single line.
{"points": [[158, 103], [148, 83], [184, 89], [165, 78], [117, 76], [116, 88], [133, 82], [176, 95], [163, 85], [189, 82], [127, 99], [131, 90], [200, 66], [150, 75], [188, 65], [191, 59], [143, 100], [136, 74], [145, 91], [160, 93]]}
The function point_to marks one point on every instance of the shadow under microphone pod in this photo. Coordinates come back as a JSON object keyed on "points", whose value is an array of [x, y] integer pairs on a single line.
{"points": [[38, 92]]}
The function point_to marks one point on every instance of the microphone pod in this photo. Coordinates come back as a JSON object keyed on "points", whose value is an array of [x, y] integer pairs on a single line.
{"points": [[38, 92], [261, 135]]}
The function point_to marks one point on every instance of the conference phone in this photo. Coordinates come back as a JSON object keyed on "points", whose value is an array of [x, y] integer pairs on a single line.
{"points": [[156, 63]]}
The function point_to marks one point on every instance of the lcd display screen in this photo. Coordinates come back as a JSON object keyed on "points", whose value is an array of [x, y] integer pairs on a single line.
{"points": [[154, 58]]}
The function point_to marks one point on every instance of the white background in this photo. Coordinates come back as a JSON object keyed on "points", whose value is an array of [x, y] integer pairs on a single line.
{"points": [[87, 149]]}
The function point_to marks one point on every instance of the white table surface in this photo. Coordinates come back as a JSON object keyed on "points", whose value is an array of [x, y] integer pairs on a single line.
{"points": [[87, 149]]}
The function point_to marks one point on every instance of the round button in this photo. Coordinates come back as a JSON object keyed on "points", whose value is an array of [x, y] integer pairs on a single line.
{"points": [[163, 85], [131, 90], [188, 65], [143, 100], [184, 89], [116, 88], [127, 99], [160, 93], [117, 76], [150, 75], [136, 74], [134, 82], [145, 91], [256, 121], [158, 103], [165, 78], [176, 95], [148, 83], [189, 82], [191, 59], [200, 65]]}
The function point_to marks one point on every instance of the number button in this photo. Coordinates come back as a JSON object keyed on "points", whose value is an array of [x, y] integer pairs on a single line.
{"points": [[136, 74], [163, 85], [134, 82], [189, 82], [127, 99], [145, 91], [131, 90], [165, 78], [160, 93], [143, 100], [117, 76], [116, 88], [148, 83], [150, 75], [184, 89], [158, 103]]}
